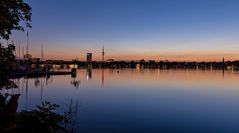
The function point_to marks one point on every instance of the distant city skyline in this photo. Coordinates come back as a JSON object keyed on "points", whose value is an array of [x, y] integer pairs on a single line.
{"points": [[175, 30]]}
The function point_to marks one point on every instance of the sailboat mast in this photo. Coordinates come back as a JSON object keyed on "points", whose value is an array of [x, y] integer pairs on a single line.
{"points": [[19, 53], [27, 45], [23, 52]]}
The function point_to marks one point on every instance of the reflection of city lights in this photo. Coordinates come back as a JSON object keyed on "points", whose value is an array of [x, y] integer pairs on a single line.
{"points": [[88, 74], [137, 66], [73, 66], [75, 83], [56, 66], [42, 65]]}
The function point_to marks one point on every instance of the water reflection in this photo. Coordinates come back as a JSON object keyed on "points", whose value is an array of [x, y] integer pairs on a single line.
{"points": [[190, 76], [142, 73], [223, 71], [102, 77], [89, 73], [26, 94], [23, 87], [74, 81], [138, 100]]}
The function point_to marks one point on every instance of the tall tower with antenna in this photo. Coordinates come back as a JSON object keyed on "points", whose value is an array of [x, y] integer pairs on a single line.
{"points": [[42, 54], [103, 54]]}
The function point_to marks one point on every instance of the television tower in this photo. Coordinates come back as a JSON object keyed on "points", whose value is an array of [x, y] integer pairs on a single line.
{"points": [[103, 54], [42, 54]]}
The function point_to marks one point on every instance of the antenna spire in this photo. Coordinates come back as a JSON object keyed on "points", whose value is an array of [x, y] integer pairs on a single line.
{"points": [[103, 54], [42, 54]]}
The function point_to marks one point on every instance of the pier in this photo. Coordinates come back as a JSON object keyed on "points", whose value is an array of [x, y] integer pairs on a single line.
{"points": [[38, 74]]}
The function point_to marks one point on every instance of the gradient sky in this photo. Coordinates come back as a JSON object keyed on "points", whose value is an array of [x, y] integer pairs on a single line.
{"points": [[135, 29]]}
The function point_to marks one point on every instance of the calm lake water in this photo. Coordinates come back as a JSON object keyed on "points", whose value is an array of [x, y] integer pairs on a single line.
{"points": [[138, 101]]}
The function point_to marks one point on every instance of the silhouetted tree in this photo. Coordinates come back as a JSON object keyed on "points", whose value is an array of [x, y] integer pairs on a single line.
{"points": [[41, 120], [12, 12], [7, 60]]}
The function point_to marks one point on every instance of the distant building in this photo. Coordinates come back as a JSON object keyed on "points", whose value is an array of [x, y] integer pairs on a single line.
{"points": [[89, 57]]}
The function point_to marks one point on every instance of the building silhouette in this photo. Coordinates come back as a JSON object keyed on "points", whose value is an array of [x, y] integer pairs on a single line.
{"points": [[88, 57]]}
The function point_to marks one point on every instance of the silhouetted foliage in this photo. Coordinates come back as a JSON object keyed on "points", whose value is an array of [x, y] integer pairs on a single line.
{"points": [[41, 120], [8, 108], [7, 62], [12, 12]]}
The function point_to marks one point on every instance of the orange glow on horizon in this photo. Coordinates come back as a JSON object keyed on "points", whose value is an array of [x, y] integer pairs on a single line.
{"points": [[173, 55], [128, 57]]}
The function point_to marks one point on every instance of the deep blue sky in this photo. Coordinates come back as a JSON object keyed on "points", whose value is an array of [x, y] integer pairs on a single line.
{"points": [[130, 29]]}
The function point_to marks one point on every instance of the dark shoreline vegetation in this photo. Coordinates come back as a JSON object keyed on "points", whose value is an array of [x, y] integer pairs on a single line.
{"points": [[40, 120]]}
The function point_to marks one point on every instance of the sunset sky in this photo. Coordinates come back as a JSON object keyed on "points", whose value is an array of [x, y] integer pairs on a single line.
{"points": [[176, 30]]}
